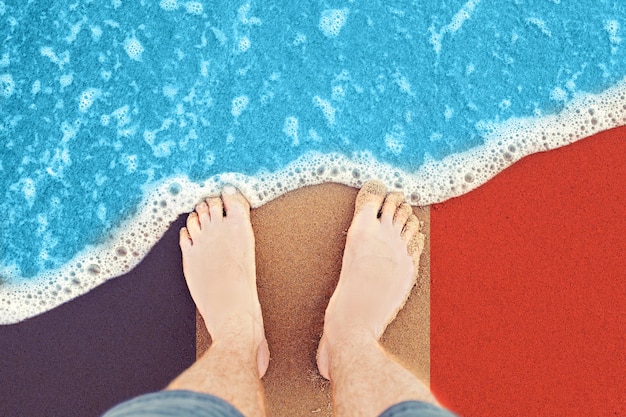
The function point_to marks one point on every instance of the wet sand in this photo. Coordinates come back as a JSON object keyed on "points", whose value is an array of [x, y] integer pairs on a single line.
{"points": [[299, 246]]}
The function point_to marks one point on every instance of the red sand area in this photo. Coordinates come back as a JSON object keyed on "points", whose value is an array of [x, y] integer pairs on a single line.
{"points": [[528, 287]]}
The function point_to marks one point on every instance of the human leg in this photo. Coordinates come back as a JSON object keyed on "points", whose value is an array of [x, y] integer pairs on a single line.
{"points": [[219, 266], [379, 269]]}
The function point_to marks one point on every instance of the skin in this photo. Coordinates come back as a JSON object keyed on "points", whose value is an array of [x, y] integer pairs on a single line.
{"points": [[379, 269]]}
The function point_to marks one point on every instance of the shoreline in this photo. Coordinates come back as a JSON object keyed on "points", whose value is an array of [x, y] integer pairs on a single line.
{"points": [[434, 182]]}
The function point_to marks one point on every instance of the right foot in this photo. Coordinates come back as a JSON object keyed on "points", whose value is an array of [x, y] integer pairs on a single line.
{"points": [[379, 269]]}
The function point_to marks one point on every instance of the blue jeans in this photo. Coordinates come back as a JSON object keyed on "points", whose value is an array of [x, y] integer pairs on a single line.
{"points": [[193, 404]]}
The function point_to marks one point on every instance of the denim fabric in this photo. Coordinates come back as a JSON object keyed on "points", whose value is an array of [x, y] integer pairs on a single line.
{"points": [[416, 409], [174, 404]]}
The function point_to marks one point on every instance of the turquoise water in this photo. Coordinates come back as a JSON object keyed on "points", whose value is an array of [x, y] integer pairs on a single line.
{"points": [[99, 100]]}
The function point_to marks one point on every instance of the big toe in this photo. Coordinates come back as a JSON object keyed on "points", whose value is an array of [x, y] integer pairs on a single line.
{"points": [[370, 198], [235, 204]]}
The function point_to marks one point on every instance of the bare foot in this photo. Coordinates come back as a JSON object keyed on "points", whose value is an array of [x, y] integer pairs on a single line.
{"points": [[219, 266], [380, 264]]}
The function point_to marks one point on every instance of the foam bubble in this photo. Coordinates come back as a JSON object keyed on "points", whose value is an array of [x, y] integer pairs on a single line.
{"points": [[133, 48], [60, 60], [394, 141], [300, 39], [332, 20], [404, 84], [244, 44], [170, 91], [36, 88], [149, 136], [96, 33], [169, 5], [239, 104], [558, 94], [612, 26], [75, 30], [122, 115], [194, 7], [462, 15], [243, 16], [66, 80], [204, 68], [290, 128], [29, 189], [327, 109], [101, 212], [504, 104], [5, 61], [209, 158], [540, 24], [87, 97], [130, 161], [116, 3], [7, 85], [338, 93], [457, 21], [163, 149], [448, 113], [314, 136]]}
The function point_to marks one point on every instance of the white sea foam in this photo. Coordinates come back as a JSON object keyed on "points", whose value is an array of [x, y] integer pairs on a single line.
{"points": [[244, 44], [194, 7], [168, 5], [87, 97], [327, 109], [5, 61], [457, 21], [239, 104], [7, 85], [133, 48], [291, 129], [433, 182], [332, 20]]}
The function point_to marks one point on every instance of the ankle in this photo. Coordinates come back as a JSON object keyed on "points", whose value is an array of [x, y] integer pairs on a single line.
{"points": [[349, 340], [239, 330]]}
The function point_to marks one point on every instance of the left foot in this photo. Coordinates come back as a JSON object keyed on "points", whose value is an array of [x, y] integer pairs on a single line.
{"points": [[219, 267]]}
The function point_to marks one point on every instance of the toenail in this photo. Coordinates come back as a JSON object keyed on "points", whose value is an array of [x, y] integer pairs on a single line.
{"points": [[229, 189]]}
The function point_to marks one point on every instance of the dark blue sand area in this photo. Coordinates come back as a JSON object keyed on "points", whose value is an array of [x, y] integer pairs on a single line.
{"points": [[98, 100]]}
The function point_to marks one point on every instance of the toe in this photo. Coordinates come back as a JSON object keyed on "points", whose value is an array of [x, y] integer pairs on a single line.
{"points": [[203, 213], [390, 206], [413, 237], [416, 245], [411, 228], [402, 215], [370, 198], [235, 204], [185, 239], [216, 208], [193, 226]]}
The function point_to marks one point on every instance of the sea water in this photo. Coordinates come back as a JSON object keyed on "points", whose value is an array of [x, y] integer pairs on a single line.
{"points": [[118, 116]]}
